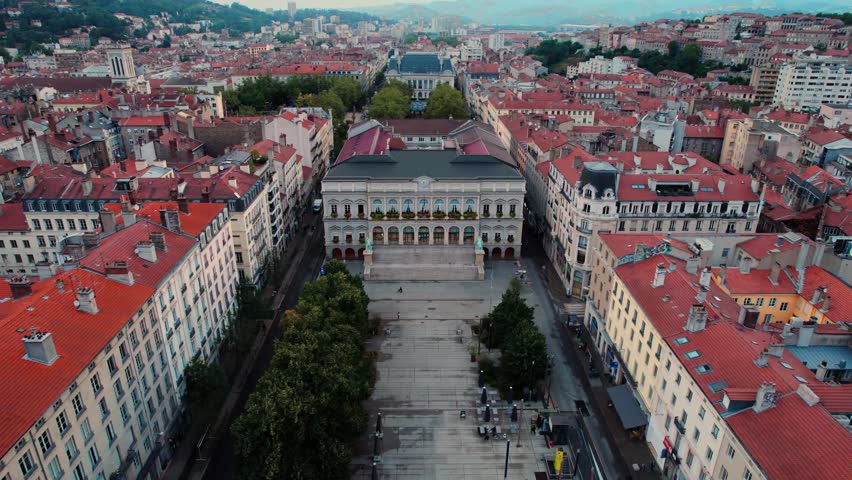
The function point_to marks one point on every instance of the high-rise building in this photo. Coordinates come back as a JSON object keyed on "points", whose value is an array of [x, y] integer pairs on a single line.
{"points": [[291, 8], [807, 83], [496, 41]]}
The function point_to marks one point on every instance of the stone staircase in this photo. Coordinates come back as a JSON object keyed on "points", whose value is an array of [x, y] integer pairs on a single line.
{"points": [[423, 263]]}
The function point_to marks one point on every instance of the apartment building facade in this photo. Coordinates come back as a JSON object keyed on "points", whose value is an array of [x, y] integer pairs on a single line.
{"points": [[807, 83], [99, 351], [639, 192], [710, 391], [311, 133]]}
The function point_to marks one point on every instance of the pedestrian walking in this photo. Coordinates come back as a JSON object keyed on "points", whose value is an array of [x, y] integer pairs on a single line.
{"points": [[397, 315], [400, 290]]}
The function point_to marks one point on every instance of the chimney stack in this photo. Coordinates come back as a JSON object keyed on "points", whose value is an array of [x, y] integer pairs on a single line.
{"points": [[701, 296], [146, 251], [774, 272], [119, 271], [659, 276], [822, 371], [108, 222], [40, 347], [159, 241], [692, 265], [723, 273], [86, 301], [91, 240], [205, 194], [762, 359], [695, 183], [745, 265], [46, 269], [21, 287], [696, 321], [704, 279], [232, 181], [51, 123], [86, 185], [817, 296], [171, 219], [766, 397], [721, 185], [183, 205], [826, 304]]}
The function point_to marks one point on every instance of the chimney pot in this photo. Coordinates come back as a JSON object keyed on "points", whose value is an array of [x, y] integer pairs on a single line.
{"points": [[146, 251], [774, 272], [21, 287], [86, 301], [696, 320], [659, 276], [159, 241], [40, 347]]}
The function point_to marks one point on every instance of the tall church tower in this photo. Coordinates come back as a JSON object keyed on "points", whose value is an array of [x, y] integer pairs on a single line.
{"points": [[120, 61]]}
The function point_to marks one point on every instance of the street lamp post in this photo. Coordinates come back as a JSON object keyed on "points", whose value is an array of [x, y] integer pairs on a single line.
{"points": [[479, 338]]}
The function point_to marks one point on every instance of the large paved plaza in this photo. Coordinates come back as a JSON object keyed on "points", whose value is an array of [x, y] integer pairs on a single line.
{"points": [[425, 379]]}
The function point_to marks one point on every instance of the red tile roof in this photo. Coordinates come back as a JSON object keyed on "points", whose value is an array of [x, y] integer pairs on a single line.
{"points": [[792, 426], [79, 338], [761, 245], [840, 305], [200, 214], [149, 121], [836, 398], [12, 218]]}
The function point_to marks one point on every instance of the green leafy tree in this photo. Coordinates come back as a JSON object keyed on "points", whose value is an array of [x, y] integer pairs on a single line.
{"points": [[403, 87], [524, 356], [348, 90], [446, 102], [389, 102], [167, 42], [205, 387], [511, 311], [329, 100], [308, 100], [302, 419]]}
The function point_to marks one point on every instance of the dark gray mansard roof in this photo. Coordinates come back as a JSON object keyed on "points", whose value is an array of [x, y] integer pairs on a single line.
{"points": [[410, 164]]}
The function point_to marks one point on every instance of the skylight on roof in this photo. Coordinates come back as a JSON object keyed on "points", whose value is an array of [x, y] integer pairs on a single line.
{"points": [[681, 341], [800, 379], [692, 354], [786, 365], [703, 368], [638, 187], [717, 387], [706, 189]]}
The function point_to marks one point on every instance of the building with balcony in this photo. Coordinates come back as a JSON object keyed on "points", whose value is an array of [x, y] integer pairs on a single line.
{"points": [[440, 201], [639, 192], [808, 83]]}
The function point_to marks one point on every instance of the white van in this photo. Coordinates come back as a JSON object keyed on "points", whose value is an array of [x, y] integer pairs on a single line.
{"points": [[317, 205]]}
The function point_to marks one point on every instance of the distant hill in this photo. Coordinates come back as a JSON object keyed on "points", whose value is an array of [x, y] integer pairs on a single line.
{"points": [[41, 22], [617, 12]]}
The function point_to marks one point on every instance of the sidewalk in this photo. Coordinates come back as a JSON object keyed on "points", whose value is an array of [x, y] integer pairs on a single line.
{"points": [[188, 460], [630, 451]]}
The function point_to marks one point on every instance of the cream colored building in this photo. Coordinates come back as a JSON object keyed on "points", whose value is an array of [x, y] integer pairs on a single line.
{"points": [[643, 193], [423, 197], [712, 393], [99, 351], [747, 141]]}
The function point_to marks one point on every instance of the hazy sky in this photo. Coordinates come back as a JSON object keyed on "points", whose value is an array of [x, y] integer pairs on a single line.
{"points": [[282, 4]]}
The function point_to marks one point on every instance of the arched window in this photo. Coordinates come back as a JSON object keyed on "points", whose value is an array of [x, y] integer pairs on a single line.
{"points": [[393, 235], [454, 235], [587, 192], [378, 234], [392, 206], [424, 205], [438, 236], [423, 236], [377, 206], [408, 236], [454, 205], [439, 205], [606, 210], [469, 233], [407, 206], [470, 205]]}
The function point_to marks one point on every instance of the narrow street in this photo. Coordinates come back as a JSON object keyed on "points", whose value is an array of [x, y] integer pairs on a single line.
{"points": [[223, 462], [569, 381]]}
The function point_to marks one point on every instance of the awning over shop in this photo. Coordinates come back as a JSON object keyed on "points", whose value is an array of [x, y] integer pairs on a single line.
{"points": [[626, 406]]}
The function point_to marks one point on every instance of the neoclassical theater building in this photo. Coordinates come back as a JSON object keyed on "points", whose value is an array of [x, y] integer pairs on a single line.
{"points": [[439, 200]]}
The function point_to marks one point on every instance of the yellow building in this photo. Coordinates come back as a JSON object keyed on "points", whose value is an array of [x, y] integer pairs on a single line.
{"points": [[771, 296]]}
